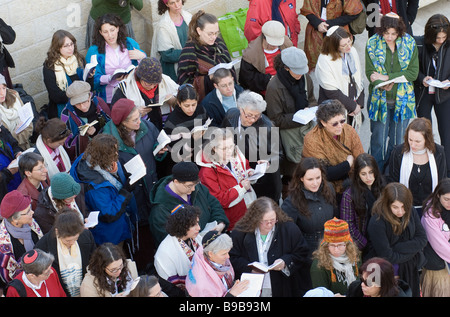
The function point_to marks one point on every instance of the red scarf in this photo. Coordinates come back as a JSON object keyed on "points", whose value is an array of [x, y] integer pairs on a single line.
{"points": [[149, 93], [386, 7]]}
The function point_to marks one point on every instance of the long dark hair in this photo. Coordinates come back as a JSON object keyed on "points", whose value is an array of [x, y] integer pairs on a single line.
{"points": [[432, 204], [436, 23], [97, 38], [359, 188], [296, 186]]}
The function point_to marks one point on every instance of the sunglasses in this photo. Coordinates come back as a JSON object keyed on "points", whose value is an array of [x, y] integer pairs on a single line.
{"points": [[439, 26], [335, 124], [181, 87], [64, 132]]}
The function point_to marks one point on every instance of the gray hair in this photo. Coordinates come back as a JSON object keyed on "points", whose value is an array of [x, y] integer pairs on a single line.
{"points": [[222, 242], [252, 101], [38, 266]]}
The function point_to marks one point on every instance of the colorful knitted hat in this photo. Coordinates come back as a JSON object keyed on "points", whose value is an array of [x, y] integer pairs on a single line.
{"points": [[335, 231], [149, 70]]}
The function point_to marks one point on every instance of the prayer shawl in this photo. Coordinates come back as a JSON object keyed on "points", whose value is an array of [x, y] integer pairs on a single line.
{"points": [[167, 88], [65, 67], [334, 75], [321, 144], [407, 165], [9, 117], [313, 38], [49, 163], [173, 259], [70, 267], [203, 280], [405, 103]]}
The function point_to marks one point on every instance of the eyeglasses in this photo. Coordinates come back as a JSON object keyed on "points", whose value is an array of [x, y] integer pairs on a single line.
{"points": [[337, 246], [368, 282], [251, 116], [189, 187], [27, 213], [335, 124], [269, 222], [229, 85], [68, 45], [348, 44], [113, 271]]}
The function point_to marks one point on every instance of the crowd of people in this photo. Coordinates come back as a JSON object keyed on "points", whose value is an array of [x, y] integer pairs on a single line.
{"points": [[151, 176]]}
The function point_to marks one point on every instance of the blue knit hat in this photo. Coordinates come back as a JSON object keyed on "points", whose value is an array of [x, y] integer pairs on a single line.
{"points": [[64, 186]]}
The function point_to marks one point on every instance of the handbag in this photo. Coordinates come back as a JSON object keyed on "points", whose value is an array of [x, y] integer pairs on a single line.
{"points": [[232, 32]]}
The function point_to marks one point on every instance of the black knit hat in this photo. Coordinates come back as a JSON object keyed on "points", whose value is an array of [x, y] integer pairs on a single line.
{"points": [[185, 172], [149, 70]]}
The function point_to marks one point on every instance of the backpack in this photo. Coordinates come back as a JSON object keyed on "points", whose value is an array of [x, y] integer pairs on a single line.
{"points": [[18, 285], [358, 25]]}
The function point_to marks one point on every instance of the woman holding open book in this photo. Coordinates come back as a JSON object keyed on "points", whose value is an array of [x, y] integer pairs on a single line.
{"points": [[267, 235], [390, 54], [114, 51], [85, 115]]}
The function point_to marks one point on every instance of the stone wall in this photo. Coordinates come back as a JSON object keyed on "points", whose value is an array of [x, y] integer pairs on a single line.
{"points": [[35, 21]]}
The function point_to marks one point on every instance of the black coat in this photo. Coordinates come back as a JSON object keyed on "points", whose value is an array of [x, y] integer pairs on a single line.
{"points": [[48, 243], [426, 68], [287, 244]]}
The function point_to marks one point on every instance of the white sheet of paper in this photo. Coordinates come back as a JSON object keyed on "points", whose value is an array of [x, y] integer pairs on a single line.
{"points": [[92, 219], [162, 139], [255, 285], [260, 170], [304, 116], [437, 83], [136, 167], [26, 115]]}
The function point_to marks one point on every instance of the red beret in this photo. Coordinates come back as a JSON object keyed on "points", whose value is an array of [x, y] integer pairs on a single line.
{"points": [[121, 109], [13, 202]]}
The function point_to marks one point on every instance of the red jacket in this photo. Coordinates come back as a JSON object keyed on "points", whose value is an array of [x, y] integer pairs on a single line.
{"points": [[224, 186], [52, 284], [260, 11]]}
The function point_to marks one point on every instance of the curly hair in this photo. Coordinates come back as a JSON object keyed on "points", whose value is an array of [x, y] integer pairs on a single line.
{"points": [[329, 109], [322, 254], [256, 211], [388, 22], [103, 256], [296, 186], [54, 52], [115, 20], [179, 223], [102, 150]]}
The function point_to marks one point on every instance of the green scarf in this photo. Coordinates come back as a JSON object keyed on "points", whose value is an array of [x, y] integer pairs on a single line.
{"points": [[405, 104]]}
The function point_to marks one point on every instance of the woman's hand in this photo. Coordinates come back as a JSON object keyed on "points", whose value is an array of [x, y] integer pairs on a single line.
{"points": [[323, 27], [427, 78], [388, 87], [91, 131], [136, 54], [246, 184], [239, 287], [377, 76], [356, 111], [445, 82]]}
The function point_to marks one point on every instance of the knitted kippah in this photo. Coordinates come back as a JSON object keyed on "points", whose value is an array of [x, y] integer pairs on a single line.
{"points": [[335, 231], [149, 70]]}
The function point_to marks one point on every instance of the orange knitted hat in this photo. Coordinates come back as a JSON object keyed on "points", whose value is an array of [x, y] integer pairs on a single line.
{"points": [[335, 231]]}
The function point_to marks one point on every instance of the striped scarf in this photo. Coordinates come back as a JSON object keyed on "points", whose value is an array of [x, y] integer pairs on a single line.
{"points": [[405, 104]]}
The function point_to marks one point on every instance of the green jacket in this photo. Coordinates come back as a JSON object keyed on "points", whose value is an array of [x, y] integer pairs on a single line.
{"points": [[101, 7], [163, 203]]}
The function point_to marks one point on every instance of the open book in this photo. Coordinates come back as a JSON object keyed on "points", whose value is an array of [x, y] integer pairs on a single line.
{"points": [[120, 72], [92, 219], [162, 139], [260, 170], [255, 285], [167, 97], [258, 266], [90, 67], [304, 116], [83, 128], [136, 167], [203, 127], [229, 65], [26, 116], [396, 80], [437, 83]]}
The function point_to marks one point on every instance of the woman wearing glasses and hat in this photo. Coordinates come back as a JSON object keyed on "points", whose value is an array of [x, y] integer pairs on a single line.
{"points": [[434, 63], [83, 109], [19, 232]]}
